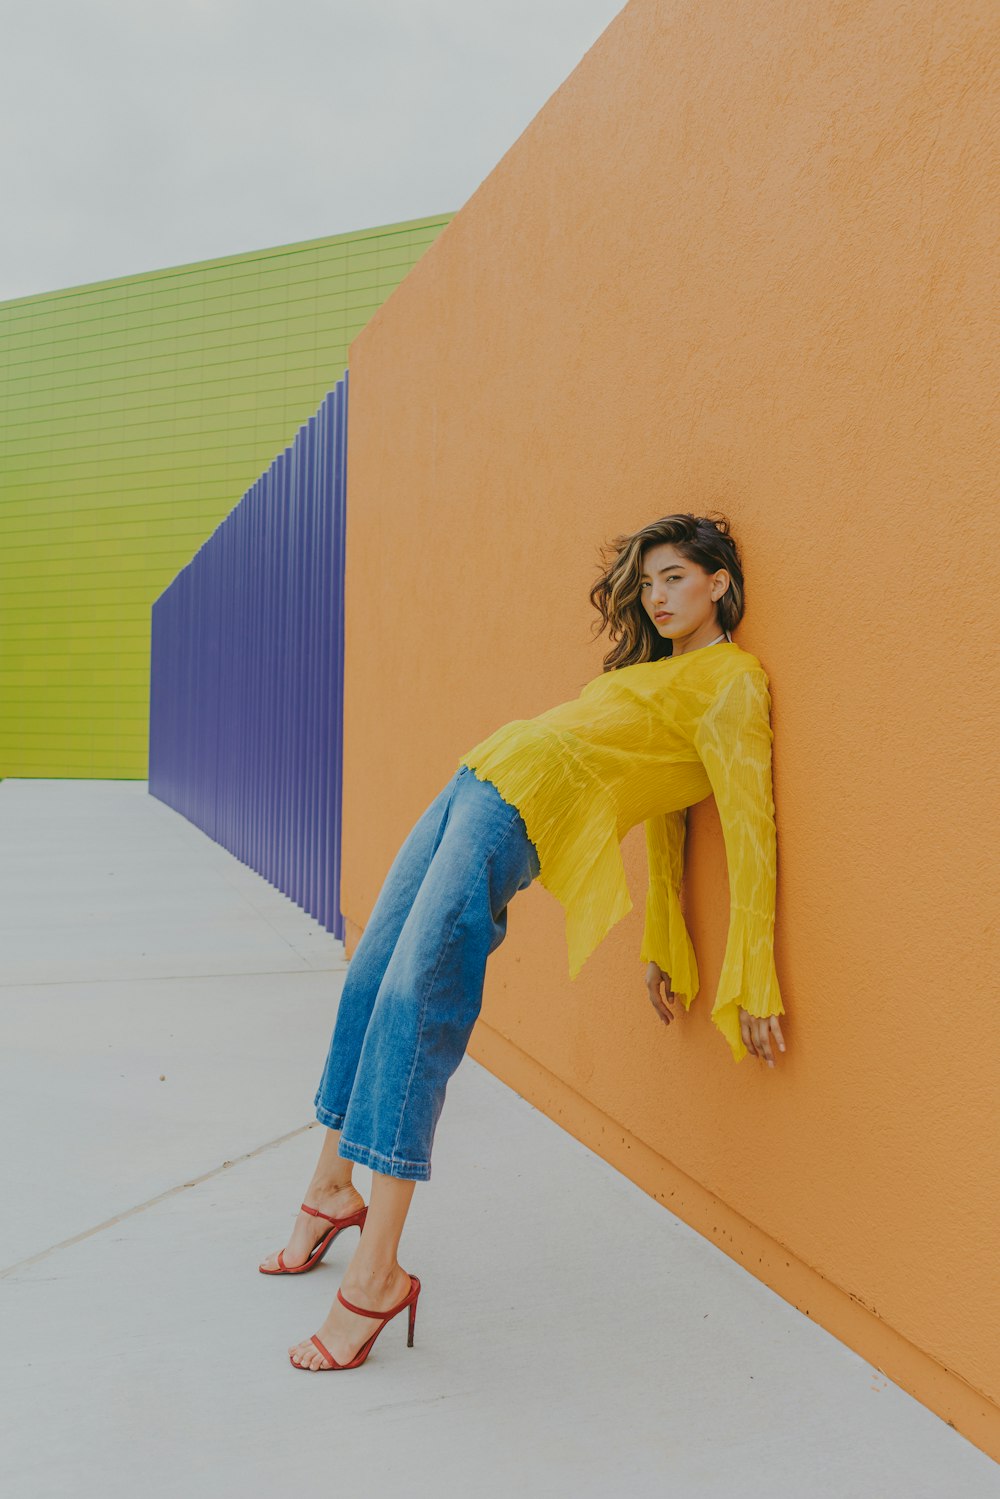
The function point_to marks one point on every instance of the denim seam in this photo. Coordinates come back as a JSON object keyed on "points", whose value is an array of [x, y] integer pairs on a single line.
{"points": [[444, 947], [330, 1113], [390, 1160]]}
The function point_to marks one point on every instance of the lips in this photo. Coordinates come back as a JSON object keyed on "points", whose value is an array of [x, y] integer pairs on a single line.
{"points": [[664, 616]]}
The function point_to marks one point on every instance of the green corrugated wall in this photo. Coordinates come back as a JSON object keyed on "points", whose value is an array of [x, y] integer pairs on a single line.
{"points": [[133, 415]]}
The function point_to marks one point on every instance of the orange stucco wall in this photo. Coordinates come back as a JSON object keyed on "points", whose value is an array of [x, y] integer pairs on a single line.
{"points": [[739, 260]]}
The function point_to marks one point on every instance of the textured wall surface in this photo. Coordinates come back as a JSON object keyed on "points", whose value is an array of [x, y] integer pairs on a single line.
{"points": [[133, 415], [740, 260]]}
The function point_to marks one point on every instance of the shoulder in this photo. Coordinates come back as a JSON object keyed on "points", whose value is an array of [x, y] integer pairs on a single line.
{"points": [[739, 668], [745, 661], [740, 698]]}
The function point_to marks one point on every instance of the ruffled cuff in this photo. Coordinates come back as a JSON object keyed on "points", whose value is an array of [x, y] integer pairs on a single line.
{"points": [[748, 981], [666, 940]]}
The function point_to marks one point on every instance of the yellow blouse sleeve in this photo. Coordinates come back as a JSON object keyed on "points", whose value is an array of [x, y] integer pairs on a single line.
{"points": [[734, 742], [665, 938]]}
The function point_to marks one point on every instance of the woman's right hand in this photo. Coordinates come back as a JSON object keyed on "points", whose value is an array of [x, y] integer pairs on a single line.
{"points": [[657, 980]]}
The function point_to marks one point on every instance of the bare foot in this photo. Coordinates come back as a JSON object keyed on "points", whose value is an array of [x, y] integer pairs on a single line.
{"points": [[344, 1332], [339, 1202]]}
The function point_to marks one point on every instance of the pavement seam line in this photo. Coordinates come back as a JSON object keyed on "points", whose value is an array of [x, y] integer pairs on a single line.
{"points": [[167, 978], [141, 1207]]}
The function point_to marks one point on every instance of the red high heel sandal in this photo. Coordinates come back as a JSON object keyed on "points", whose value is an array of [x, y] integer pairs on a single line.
{"points": [[410, 1300], [322, 1246]]}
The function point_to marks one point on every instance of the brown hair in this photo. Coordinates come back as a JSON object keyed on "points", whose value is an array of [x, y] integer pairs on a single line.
{"points": [[616, 595]]}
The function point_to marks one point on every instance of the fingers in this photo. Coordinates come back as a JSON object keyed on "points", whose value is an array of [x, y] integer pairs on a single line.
{"points": [[761, 1035], [762, 1040], [660, 1004]]}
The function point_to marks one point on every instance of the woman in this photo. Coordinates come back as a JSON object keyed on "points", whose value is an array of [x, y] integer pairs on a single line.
{"points": [[679, 713]]}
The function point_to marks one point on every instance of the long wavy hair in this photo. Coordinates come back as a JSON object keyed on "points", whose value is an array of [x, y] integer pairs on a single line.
{"points": [[616, 595]]}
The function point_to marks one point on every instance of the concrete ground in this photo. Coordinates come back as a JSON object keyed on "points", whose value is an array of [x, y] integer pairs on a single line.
{"points": [[165, 1016]]}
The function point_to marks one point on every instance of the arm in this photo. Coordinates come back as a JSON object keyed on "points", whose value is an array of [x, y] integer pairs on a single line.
{"points": [[734, 742], [665, 938]]}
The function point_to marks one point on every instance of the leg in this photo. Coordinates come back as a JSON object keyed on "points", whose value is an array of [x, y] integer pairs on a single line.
{"points": [[331, 1188], [432, 989], [427, 1003], [372, 954], [374, 1277]]}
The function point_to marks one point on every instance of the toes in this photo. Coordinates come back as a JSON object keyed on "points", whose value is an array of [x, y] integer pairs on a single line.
{"points": [[307, 1356]]}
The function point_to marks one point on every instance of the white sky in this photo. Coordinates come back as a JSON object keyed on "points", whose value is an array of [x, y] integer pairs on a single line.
{"points": [[138, 135]]}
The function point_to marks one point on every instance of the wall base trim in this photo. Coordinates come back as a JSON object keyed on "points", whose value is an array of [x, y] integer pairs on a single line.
{"points": [[942, 1391], [839, 1311]]}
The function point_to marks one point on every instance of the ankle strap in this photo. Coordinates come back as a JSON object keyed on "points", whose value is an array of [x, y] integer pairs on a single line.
{"points": [[366, 1311], [318, 1214]]}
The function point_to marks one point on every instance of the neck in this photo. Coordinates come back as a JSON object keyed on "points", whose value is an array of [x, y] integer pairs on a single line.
{"points": [[699, 639]]}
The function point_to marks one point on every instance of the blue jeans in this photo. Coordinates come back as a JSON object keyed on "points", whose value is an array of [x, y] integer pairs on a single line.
{"points": [[414, 985]]}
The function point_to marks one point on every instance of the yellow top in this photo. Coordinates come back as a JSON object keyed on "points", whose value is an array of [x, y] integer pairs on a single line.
{"points": [[641, 744]]}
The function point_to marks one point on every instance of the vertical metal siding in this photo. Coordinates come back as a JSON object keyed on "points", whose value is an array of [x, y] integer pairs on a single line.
{"points": [[247, 673], [133, 413]]}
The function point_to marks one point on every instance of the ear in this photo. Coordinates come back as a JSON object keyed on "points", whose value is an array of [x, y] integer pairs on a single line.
{"points": [[721, 576]]}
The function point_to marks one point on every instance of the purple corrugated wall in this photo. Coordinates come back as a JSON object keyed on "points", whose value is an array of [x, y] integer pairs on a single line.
{"points": [[247, 673]]}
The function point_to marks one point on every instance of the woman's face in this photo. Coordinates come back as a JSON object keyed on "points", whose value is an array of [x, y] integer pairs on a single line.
{"points": [[678, 595]]}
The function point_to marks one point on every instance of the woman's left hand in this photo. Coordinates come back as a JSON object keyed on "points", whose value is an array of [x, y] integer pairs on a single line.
{"points": [[758, 1032]]}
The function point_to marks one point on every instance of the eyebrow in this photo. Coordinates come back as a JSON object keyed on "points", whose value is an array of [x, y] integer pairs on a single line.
{"points": [[671, 567]]}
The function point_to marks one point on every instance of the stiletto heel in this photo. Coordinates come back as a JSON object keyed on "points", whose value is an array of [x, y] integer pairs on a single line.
{"points": [[410, 1300], [339, 1224]]}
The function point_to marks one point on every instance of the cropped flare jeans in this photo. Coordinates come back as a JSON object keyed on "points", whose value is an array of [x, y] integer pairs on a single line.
{"points": [[414, 986]]}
